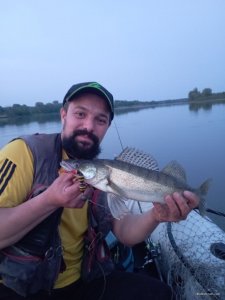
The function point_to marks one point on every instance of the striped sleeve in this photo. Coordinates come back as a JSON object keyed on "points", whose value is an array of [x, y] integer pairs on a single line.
{"points": [[16, 173], [6, 172]]}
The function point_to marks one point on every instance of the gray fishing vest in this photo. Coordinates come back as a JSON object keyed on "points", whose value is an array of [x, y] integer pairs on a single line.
{"points": [[33, 263]]}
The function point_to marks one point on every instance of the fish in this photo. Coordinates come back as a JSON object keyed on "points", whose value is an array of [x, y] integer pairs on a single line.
{"points": [[131, 177]]}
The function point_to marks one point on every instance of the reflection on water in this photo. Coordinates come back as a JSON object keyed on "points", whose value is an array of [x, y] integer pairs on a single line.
{"points": [[197, 106], [195, 140], [204, 105], [28, 119]]}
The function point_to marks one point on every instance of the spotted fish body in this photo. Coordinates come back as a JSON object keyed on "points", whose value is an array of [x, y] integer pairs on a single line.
{"points": [[122, 179]]}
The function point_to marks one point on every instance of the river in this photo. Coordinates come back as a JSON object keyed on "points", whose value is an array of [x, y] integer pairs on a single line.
{"points": [[193, 137]]}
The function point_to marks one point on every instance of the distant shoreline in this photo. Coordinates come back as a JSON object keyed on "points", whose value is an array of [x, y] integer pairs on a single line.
{"points": [[121, 106], [171, 102]]}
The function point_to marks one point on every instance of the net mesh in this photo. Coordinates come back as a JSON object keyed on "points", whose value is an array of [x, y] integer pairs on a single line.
{"points": [[186, 259]]}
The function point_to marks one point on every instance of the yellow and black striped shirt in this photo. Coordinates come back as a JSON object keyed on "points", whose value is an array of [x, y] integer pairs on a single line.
{"points": [[16, 177]]}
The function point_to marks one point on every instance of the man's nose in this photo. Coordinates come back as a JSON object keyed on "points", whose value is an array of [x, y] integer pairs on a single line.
{"points": [[89, 124]]}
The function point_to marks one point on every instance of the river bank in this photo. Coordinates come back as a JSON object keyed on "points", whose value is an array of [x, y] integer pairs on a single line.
{"points": [[184, 101], [121, 107]]}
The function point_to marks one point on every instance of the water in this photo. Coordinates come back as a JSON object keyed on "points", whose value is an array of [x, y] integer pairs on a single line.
{"points": [[195, 139]]}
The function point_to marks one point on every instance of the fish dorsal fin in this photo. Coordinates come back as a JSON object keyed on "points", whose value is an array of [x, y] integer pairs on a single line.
{"points": [[174, 169], [138, 158]]}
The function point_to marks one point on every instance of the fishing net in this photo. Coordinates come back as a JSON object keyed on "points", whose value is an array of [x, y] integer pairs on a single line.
{"points": [[189, 260], [192, 252]]}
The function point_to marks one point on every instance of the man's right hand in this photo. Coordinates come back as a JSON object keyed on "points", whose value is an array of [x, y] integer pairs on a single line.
{"points": [[16, 221], [65, 192]]}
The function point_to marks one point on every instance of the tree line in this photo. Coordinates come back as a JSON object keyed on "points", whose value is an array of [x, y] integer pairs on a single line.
{"points": [[18, 110], [206, 94]]}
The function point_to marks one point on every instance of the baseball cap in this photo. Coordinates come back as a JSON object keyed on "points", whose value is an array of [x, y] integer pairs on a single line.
{"points": [[92, 87]]}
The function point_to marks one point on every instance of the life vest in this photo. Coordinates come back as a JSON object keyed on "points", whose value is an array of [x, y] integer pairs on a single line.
{"points": [[97, 257]]}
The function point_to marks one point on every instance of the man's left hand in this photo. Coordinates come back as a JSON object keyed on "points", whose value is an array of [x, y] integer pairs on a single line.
{"points": [[176, 208]]}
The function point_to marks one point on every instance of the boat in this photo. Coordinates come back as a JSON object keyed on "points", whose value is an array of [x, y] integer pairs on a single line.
{"points": [[188, 255], [192, 257]]}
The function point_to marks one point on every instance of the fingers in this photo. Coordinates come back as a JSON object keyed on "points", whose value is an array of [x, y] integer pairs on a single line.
{"points": [[178, 205], [83, 197], [69, 184], [192, 199], [176, 208], [70, 192], [87, 194]]}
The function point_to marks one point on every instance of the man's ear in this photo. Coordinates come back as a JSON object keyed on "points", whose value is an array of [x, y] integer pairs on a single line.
{"points": [[62, 115]]}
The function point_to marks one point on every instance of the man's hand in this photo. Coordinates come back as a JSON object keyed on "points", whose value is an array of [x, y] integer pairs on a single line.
{"points": [[65, 192], [176, 208], [16, 221]]}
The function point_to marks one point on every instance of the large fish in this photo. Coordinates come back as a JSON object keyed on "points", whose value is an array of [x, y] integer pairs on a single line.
{"points": [[124, 180]]}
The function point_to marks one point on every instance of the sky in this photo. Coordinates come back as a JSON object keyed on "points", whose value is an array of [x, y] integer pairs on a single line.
{"points": [[138, 49]]}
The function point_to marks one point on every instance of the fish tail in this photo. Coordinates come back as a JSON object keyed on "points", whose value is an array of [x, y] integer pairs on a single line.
{"points": [[202, 191], [204, 187]]}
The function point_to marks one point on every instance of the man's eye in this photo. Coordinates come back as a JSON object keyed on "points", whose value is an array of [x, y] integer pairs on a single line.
{"points": [[102, 121], [80, 114]]}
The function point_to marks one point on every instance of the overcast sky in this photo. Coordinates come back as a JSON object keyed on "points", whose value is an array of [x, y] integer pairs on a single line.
{"points": [[138, 49]]}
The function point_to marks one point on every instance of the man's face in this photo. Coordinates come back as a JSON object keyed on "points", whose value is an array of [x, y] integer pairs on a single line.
{"points": [[85, 123]]}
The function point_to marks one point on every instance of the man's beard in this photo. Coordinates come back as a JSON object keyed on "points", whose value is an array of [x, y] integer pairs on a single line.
{"points": [[75, 149]]}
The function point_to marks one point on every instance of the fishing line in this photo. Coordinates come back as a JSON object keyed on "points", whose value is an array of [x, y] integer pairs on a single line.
{"points": [[118, 134], [97, 204], [215, 212], [148, 241]]}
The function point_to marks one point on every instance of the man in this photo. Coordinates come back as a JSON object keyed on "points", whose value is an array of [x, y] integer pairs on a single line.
{"points": [[36, 199]]}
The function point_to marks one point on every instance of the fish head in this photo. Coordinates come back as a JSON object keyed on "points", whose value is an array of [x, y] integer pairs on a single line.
{"points": [[95, 172], [88, 169]]}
